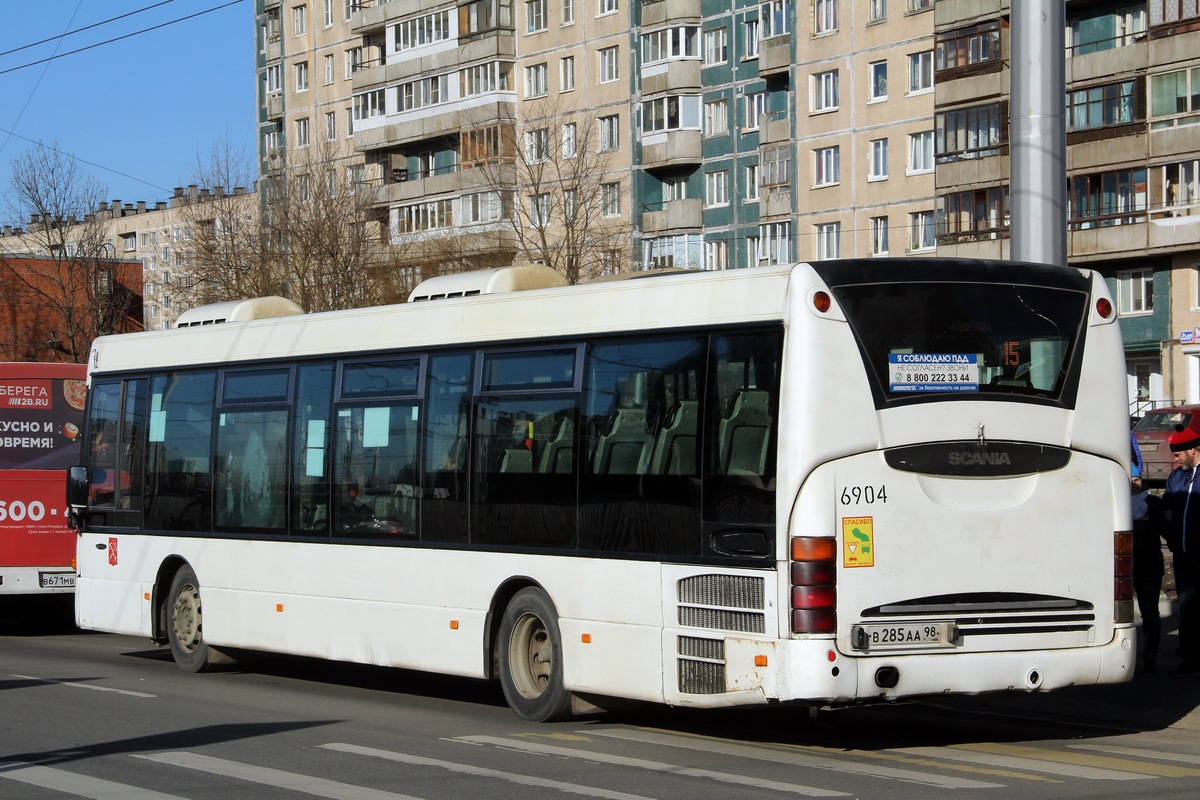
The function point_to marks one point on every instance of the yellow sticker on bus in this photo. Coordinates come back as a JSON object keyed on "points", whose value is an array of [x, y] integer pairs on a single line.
{"points": [[858, 542]]}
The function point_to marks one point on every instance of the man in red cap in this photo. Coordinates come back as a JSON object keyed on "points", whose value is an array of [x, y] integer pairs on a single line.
{"points": [[1183, 536]]}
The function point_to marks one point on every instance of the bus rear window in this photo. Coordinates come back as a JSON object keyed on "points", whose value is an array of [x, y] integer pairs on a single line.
{"points": [[970, 339]]}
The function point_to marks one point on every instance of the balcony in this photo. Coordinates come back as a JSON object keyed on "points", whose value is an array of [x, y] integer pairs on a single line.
{"points": [[274, 48], [671, 76], [453, 180], [673, 216], [775, 55], [660, 12], [274, 106], [775, 201], [672, 148], [774, 128], [432, 122]]}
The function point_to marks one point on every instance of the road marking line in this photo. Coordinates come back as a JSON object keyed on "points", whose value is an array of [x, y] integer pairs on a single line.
{"points": [[60, 780], [320, 787], [84, 686], [524, 780], [1102, 762], [1139, 753], [799, 759], [653, 766], [1027, 762]]}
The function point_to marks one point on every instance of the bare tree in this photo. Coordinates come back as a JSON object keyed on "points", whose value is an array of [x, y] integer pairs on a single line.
{"points": [[553, 180], [79, 287]]}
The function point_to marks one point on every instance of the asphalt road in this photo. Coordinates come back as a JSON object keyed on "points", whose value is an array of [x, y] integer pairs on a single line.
{"points": [[99, 716]]}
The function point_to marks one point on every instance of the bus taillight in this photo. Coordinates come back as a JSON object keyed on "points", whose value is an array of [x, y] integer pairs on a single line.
{"points": [[1123, 576], [814, 584]]}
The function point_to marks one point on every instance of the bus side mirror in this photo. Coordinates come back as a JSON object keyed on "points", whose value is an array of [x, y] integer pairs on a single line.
{"points": [[77, 495]]}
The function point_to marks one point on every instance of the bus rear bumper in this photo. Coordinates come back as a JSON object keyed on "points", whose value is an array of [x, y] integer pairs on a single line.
{"points": [[36, 580], [814, 671]]}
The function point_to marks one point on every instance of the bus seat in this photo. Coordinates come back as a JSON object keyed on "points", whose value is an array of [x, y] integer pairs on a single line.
{"points": [[621, 451], [516, 459], [557, 455], [744, 433], [675, 446]]}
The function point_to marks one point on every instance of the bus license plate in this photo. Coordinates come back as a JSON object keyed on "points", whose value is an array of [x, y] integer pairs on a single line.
{"points": [[910, 634], [57, 580]]}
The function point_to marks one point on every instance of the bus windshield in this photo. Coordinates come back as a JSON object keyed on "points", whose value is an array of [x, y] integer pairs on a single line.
{"points": [[967, 339]]}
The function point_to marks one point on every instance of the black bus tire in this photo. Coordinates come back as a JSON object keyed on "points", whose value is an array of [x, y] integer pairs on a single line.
{"points": [[531, 658], [185, 623]]}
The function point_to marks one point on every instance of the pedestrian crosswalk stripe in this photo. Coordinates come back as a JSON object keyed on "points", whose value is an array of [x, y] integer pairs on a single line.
{"points": [[1102, 762], [796, 758], [470, 769], [1138, 752], [653, 766], [60, 780], [319, 787]]}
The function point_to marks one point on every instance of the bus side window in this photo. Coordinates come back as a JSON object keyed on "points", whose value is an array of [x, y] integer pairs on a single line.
{"points": [[102, 427], [310, 449], [179, 458]]}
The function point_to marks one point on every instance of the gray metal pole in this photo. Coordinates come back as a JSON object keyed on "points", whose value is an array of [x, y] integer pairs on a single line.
{"points": [[1038, 138]]}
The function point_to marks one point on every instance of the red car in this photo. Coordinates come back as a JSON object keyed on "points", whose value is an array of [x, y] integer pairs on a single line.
{"points": [[1152, 431]]}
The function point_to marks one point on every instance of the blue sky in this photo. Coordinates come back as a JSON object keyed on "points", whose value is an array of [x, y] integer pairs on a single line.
{"points": [[140, 110]]}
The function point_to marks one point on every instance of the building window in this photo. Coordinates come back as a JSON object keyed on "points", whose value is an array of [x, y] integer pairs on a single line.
{"points": [[878, 170], [609, 69], [491, 76], [825, 91], [568, 12], [716, 46], [570, 140], [539, 209], [827, 168], [1175, 98], [922, 235], [879, 236], [775, 17], [610, 133], [129, 242], [878, 81], [1135, 291], [606, 7], [535, 81], [274, 79], [973, 215], [825, 16], [752, 183], [481, 207], [674, 112], [1181, 187], [963, 47], [368, 104], [354, 61], [1106, 28], [920, 152], [328, 16], [302, 132], [1101, 106], [480, 16], [535, 16], [775, 242], [329, 76], [974, 132], [670, 43], [674, 189], [920, 72], [750, 32], [919, 5], [775, 169], [681, 250], [716, 117], [299, 20], [302, 76], [610, 199], [423, 30], [330, 125], [424, 92], [752, 251], [537, 145], [876, 10], [716, 189], [566, 74], [427, 216], [1106, 199], [829, 235], [716, 255], [756, 107]]}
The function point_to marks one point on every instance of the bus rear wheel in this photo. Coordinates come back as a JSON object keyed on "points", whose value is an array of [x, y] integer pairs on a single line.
{"points": [[185, 623], [531, 658]]}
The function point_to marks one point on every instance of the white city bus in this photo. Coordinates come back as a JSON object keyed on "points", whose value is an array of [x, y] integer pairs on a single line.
{"points": [[819, 483]]}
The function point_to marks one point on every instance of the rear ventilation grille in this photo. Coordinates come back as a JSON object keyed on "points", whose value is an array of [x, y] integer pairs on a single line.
{"points": [[701, 665], [723, 602]]}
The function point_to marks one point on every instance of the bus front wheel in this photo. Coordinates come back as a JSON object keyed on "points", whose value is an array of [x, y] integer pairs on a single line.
{"points": [[531, 658], [185, 627]]}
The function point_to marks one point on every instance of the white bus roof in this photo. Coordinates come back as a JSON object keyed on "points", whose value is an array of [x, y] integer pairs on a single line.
{"points": [[679, 300]]}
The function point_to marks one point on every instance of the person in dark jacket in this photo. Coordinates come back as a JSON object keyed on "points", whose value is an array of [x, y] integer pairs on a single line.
{"points": [[1183, 537]]}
